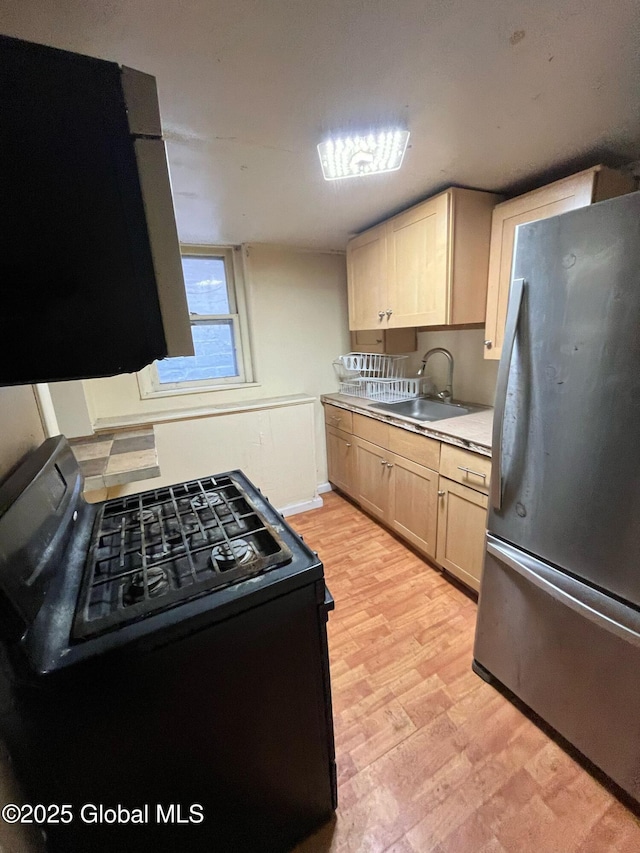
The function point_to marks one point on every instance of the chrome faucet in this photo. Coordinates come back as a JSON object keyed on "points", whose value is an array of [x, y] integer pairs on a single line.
{"points": [[447, 394]]}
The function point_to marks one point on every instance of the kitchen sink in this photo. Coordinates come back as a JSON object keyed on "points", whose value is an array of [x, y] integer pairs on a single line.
{"points": [[424, 409]]}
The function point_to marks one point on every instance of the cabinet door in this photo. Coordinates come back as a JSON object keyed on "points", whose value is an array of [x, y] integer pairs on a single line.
{"points": [[341, 459], [372, 477], [390, 341], [413, 503], [418, 256], [556, 198], [366, 278], [462, 523]]}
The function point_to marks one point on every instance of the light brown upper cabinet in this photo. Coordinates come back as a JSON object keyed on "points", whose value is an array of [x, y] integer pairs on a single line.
{"points": [[588, 187], [367, 278], [418, 260], [390, 341], [426, 266]]}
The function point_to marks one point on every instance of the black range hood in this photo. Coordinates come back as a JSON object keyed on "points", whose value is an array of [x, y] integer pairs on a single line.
{"points": [[90, 269]]}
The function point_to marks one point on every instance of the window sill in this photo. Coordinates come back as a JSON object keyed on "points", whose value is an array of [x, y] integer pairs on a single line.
{"points": [[200, 389], [144, 418]]}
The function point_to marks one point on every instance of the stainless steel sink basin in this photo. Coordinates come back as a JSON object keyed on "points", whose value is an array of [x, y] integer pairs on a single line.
{"points": [[423, 409]]}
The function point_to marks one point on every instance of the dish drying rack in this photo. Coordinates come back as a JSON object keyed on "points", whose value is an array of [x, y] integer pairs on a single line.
{"points": [[375, 377]]}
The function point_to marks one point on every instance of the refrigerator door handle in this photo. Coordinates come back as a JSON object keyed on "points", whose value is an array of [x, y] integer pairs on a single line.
{"points": [[608, 623], [511, 327]]}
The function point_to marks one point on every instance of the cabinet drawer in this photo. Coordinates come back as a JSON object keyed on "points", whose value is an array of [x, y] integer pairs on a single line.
{"points": [[465, 467], [371, 430], [338, 418], [417, 448]]}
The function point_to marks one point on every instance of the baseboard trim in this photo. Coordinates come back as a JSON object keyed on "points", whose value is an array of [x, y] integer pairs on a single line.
{"points": [[324, 487], [303, 506]]}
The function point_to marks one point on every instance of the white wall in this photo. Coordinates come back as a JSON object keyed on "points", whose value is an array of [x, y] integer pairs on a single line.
{"points": [[474, 378], [21, 427], [273, 446], [70, 404], [298, 316]]}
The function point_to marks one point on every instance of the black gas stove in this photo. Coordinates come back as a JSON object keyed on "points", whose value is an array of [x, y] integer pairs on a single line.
{"points": [[192, 602], [78, 579], [156, 549]]}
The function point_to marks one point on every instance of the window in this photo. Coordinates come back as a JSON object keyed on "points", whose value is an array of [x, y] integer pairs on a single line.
{"points": [[215, 297]]}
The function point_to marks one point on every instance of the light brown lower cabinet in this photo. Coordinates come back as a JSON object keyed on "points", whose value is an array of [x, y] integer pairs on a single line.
{"points": [[462, 523], [373, 476], [443, 519], [341, 460], [399, 492], [413, 504]]}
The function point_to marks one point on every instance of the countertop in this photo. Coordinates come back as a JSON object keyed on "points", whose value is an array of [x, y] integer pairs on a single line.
{"points": [[470, 431], [114, 458]]}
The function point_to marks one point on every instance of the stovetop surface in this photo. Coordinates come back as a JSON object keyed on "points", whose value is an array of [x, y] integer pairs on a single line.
{"points": [[82, 581], [156, 549]]}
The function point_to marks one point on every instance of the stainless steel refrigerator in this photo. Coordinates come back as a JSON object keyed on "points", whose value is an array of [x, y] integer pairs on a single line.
{"points": [[559, 608]]}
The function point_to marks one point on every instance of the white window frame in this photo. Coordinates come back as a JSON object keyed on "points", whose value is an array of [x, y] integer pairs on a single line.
{"points": [[148, 379]]}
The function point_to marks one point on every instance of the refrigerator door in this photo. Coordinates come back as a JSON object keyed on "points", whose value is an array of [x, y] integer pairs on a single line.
{"points": [[534, 624], [567, 448]]}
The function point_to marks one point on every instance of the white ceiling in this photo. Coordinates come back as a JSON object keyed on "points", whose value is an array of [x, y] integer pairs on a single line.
{"points": [[496, 94]]}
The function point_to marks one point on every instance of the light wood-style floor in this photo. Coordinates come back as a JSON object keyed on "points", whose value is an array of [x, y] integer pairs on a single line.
{"points": [[430, 758]]}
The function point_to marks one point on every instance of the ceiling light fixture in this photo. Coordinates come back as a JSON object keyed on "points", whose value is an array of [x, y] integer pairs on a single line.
{"points": [[355, 156]]}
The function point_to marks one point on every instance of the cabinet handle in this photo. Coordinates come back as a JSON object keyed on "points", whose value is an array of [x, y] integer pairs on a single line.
{"points": [[348, 443], [488, 344], [441, 494], [469, 471], [336, 418], [389, 465], [388, 312], [384, 462], [380, 315]]}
